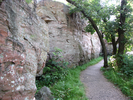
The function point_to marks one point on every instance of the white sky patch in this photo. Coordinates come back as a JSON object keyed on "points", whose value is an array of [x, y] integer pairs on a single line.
{"points": [[112, 17], [62, 1], [112, 2]]}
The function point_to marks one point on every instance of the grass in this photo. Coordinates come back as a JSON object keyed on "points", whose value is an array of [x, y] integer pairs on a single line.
{"points": [[125, 84], [71, 88], [121, 76]]}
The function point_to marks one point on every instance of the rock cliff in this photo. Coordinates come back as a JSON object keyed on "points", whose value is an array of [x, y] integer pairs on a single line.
{"points": [[67, 32], [24, 45]]}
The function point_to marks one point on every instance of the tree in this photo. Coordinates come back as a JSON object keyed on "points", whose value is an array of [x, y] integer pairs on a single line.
{"points": [[99, 17], [81, 5], [125, 25], [121, 27], [110, 32]]}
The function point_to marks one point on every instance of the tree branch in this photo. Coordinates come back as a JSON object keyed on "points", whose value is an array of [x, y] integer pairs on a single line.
{"points": [[95, 27]]}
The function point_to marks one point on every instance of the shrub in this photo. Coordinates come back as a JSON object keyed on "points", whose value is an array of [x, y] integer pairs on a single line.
{"points": [[113, 63], [71, 88], [55, 69], [121, 76], [126, 67]]}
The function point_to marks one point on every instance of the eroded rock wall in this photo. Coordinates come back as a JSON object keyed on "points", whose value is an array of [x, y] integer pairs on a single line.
{"points": [[23, 47], [67, 32]]}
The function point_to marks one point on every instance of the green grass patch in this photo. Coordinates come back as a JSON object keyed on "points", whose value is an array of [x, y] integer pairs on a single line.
{"points": [[71, 88], [121, 74], [125, 84]]}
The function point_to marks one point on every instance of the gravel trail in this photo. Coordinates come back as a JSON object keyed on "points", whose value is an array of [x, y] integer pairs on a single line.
{"points": [[97, 86]]}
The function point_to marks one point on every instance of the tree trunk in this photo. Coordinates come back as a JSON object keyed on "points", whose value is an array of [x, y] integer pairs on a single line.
{"points": [[96, 29], [121, 42], [114, 44], [112, 40], [101, 40], [121, 30]]}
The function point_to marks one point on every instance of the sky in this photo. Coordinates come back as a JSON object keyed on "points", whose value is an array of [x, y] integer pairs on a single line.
{"points": [[63, 1]]}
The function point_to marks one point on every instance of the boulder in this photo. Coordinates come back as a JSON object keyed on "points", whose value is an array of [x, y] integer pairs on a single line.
{"points": [[44, 94], [24, 45]]}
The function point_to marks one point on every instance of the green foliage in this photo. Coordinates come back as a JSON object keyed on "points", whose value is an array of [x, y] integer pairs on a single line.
{"points": [[126, 86], [73, 9], [110, 28], [89, 28], [28, 1], [1, 0], [121, 76], [127, 66], [54, 70], [113, 63], [71, 88], [101, 14], [92, 62]]}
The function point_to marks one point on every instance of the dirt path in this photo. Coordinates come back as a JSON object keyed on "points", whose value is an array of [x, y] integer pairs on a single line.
{"points": [[97, 87]]}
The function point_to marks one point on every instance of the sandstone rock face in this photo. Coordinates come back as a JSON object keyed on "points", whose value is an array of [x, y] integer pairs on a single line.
{"points": [[23, 47], [109, 47], [67, 32]]}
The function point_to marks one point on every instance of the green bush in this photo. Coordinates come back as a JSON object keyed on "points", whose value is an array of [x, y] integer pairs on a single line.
{"points": [[64, 82], [113, 63], [71, 88], [55, 69], [126, 85], [121, 76], [126, 67]]}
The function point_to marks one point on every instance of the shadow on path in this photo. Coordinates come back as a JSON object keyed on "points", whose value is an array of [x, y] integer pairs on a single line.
{"points": [[97, 87]]}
